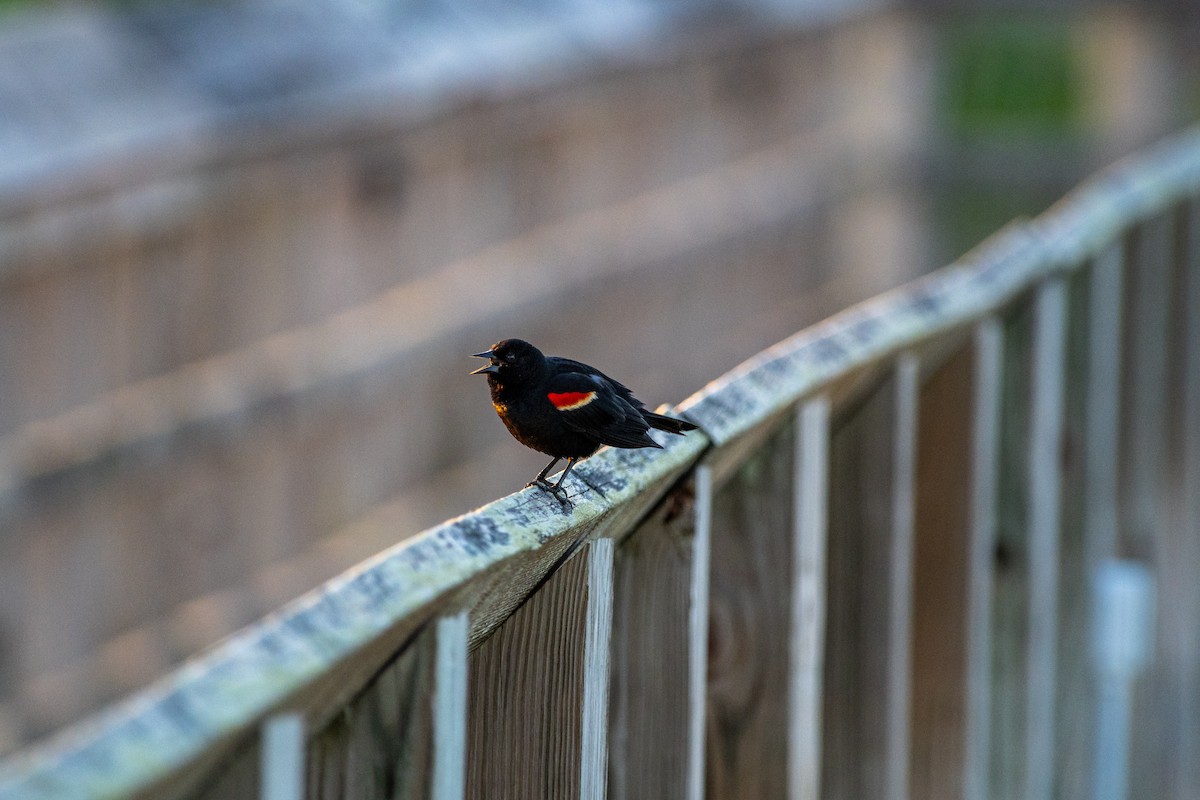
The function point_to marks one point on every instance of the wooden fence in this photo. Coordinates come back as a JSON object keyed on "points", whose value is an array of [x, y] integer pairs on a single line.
{"points": [[871, 575], [227, 348]]}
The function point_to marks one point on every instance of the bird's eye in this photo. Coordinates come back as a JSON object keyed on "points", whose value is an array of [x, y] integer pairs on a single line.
{"points": [[508, 356]]}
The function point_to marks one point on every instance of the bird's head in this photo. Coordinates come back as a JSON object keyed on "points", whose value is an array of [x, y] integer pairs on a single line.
{"points": [[511, 361]]}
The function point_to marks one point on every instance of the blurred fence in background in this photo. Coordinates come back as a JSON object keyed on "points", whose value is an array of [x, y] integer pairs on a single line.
{"points": [[244, 257], [244, 249], [912, 552]]}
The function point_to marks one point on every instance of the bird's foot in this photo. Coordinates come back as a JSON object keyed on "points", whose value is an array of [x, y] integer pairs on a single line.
{"points": [[559, 493]]}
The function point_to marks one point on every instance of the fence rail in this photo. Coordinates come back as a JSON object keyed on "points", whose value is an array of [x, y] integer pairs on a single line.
{"points": [[867, 576]]}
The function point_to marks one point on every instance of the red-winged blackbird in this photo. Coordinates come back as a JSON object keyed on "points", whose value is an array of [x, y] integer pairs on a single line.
{"points": [[564, 408]]}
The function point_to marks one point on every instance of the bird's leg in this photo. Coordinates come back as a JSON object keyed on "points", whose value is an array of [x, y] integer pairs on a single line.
{"points": [[558, 487], [540, 480], [557, 490]]}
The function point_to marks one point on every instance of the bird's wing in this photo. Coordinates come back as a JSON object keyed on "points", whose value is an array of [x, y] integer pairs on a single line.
{"points": [[593, 406], [567, 365]]}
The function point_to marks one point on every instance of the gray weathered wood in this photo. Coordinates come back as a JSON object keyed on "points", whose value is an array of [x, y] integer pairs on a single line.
{"points": [[1146, 480], [699, 627], [854, 727], [807, 632], [985, 444], [1187, 728], [1045, 512], [593, 777], [1145, 373], [1074, 694], [1166, 696], [775, 379], [323, 649], [989, 277], [530, 685], [750, 613], [1010, 574], [652, 654], [450, 709], [320, 653], [898, 699], [282, 773], [1102, 445], [941, 567], [384, 743]]}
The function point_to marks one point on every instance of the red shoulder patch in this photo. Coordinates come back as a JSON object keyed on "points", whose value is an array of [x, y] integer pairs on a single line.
{"points": [[569, 401]]}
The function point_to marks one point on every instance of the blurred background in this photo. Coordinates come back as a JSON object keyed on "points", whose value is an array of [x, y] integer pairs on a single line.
{"points": [[246, 247]]}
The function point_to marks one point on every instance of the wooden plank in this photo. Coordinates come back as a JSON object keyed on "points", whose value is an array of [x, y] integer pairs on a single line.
{"points": [[807, 634], [385, 742], [450, 710], [189, 723], [1074, 729], [1101, 445], [898, 696], [1186, 772], [321, 650], [777, 378], [993, 275], [282, 773], [383, 745], [1145, 372], [1124, 603], [1045, 511], [985, 444], [1145, 492], [1010, 571], [941, 565], [652, 663], [529, 686], [856, 663], [593, 777], [1167, 697], [699, 627], [750, 610]]}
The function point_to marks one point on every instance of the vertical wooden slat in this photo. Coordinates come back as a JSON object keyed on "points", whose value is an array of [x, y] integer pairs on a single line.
{"points": [[384, 743], [898, 710], [282, 773], [652, 656], [1010, 594], [1075, 688], [450, 709], [1146, 381], [1122, 638], [750, 607], [1147, 479], [985, 444], [698, 635], [940, 574], [1103, 411], [1187, 730], [593, 768], [808, 599], [1045, 446], [525, 721], [858, 713], [1167, 698]]}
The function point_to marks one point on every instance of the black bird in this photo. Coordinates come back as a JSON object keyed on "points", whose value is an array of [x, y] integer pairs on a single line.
{"points": [[565, 408]]}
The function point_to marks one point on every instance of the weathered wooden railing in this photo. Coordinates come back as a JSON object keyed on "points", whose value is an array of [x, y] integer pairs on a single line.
{"points": [[869, 576]]}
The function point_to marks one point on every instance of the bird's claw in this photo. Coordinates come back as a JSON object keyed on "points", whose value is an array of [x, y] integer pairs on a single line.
{"points": [[559, 493]]}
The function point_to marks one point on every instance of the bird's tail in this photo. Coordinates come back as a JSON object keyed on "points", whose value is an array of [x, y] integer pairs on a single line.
{"points": [[665, 423]]}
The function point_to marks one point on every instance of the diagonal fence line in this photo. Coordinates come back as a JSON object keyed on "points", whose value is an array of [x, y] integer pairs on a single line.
{"points": [[169, 731]]}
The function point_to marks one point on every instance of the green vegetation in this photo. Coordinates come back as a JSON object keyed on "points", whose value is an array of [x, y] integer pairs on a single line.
{"points": [[1011, 76]]}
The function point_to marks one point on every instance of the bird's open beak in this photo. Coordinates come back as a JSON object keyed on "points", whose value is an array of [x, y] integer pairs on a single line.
{"points": [[487, 368]]}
